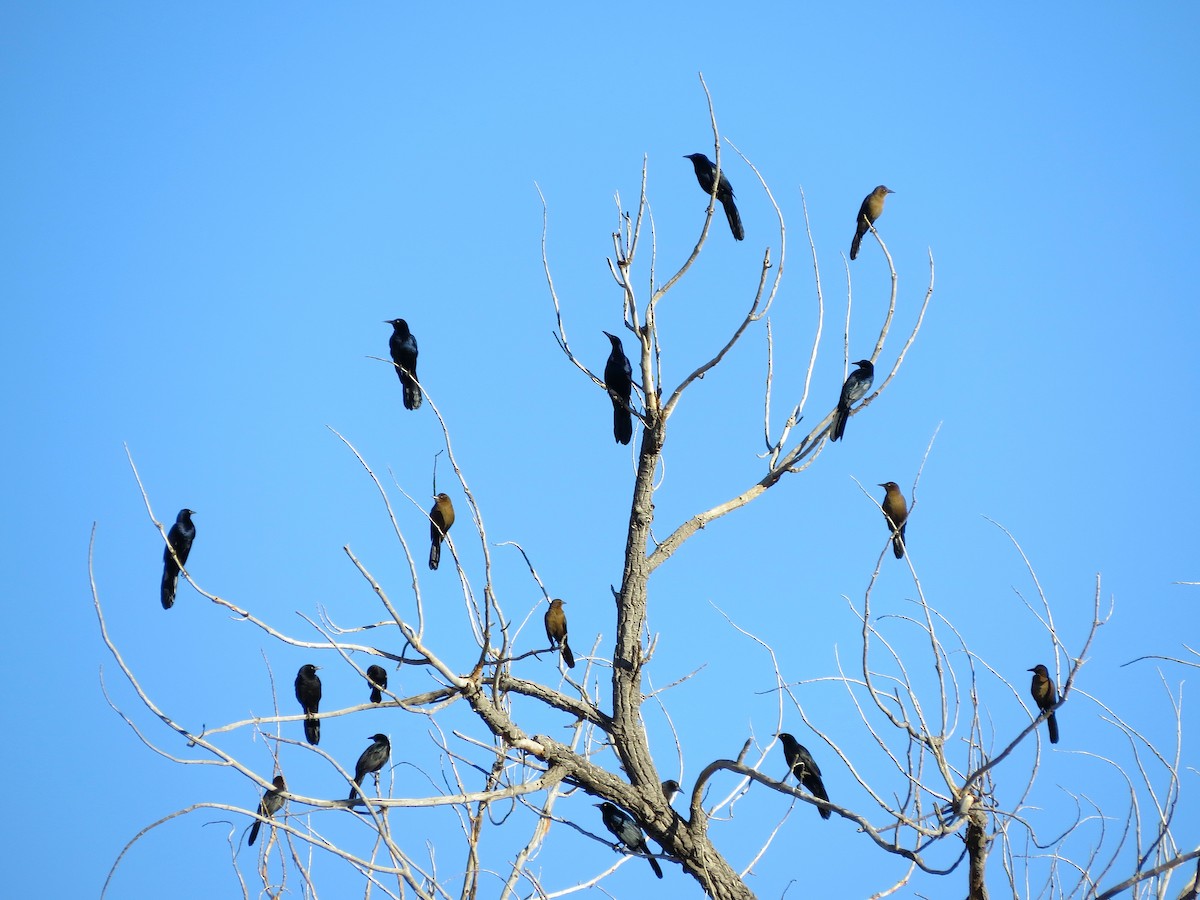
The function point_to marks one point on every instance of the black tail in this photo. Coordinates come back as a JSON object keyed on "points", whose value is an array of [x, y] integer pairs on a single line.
{"points": [[567, 655], [898, 543], [412, 392], [855, 244], [838, 428], [653, 861], [376, 695], [312, 731], [817, 788], [1052, 725], [735, 220], [169, 581], [254, 832], [622, 423], [435, 554]]}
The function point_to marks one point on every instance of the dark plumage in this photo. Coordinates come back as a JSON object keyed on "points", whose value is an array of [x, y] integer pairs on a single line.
{"points": [[705, 169], [372, 760], [556, 631], [376, 678], [626, 830], [804, 767], [670, 789], [404, 354], [268, 806], [854, 389], [441, 517], [618, 378], [871, 209], [1045, 695], [308, 692], [179, 539], [895, 510]]}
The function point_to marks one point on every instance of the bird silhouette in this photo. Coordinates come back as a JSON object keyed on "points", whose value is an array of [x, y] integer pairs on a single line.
{"points": [[268, 806], [1045, 696], [804, 767], [372, 760], [871, 209], [618, 378], [705, 170], [895, 511], [404, 354], [308, 692], [854, 389], [626, 830], [441, 517], [556, 631], [179, 540], [376, 678]]}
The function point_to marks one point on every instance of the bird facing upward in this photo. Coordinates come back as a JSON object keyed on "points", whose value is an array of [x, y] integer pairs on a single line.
{"points": [[804, 767], [268, 806], [1045, 696], [895, 510], [372, 760], [308, 692], [705, 169], [854, 388], [871, 209], [404, 354], [179, 539], [556, 631], [441, 517], [618, 378], [377, 679], [626, 831]]}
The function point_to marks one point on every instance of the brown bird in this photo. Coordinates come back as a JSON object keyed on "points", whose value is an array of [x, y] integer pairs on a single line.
{"points": [[871, 209], [268, 806], [1045, 696], [441, 518], [896, 513], [556, 631], [377, 679]]}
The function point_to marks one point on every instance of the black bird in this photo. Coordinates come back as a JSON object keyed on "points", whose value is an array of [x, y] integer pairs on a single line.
{"points": [[670, 789], [372, 760], [705, 169], [896, 512], [268, 806], [377, 678], [179, 539], [441, 518], [626, 831], [556, 631], [308, 692], [618, 378], [854, 389], [871, 209], [1045, 696], [804, 767], [404, 354]]}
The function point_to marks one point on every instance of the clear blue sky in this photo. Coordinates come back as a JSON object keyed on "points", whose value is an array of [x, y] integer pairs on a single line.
{"points": [[211, 209]]}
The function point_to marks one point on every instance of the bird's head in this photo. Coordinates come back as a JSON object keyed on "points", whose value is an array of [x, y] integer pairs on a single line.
{"points": [[883, 190], [379, 738], [1039, 669]]}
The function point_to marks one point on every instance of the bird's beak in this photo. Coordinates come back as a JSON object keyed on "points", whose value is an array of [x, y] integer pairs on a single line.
{"points": [[883, 485], [890, 191], [1031, 670]]}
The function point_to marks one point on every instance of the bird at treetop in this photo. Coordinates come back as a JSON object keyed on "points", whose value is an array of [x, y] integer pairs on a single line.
{"points": [[626, 830], [854, 388], [705, 169], [441, 517], [308, 692], [372, 760], [618, 379], [871, 209], [556, 631], [804, 767], [179, 540], [1045, 696], [896, 512], [268, 806], [404, 354], [377, 679]]}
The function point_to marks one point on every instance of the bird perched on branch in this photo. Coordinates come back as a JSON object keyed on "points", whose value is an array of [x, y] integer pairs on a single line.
{"points": [[804, 767], [268, 806], [308, 692], [377, 679], [626, 830], [179, 540], [556, 631], [441, 517], [1045, 696], [871, 209], [705, 170], [618, 378], [372, 760], [670, 789], [895, 510], [854, 389], [404, 354]]}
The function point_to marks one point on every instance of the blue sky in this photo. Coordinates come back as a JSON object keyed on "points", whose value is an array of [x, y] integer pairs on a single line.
{"points": [[212, 209]]}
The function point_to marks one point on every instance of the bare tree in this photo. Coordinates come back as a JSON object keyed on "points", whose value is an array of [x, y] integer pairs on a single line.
{"points": [[941, 798]]}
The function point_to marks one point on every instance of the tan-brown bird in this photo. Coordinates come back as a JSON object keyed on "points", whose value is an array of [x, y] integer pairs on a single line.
{"points": [[441, 517], [1045, 696], [871, 209], [896, 512], [556, 631]]}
